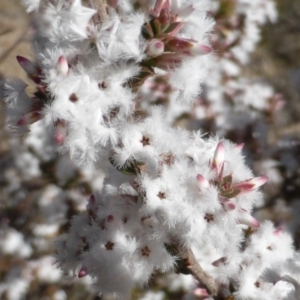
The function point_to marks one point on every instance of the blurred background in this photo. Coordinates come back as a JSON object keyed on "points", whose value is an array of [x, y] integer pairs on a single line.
{"points": [[40, 191]]}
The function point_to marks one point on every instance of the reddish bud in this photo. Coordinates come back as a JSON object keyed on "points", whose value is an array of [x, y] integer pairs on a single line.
{"points": [[110, 218], [250, 184], [159, 5], [167, 61], [201, 49], [187, 47], [30, 68], [199, 292], [155, 47], [60, 132], [248, 220], [227, 204], [202, 183], [218, 159], [29, 118], [62, 66], [82, 272]]}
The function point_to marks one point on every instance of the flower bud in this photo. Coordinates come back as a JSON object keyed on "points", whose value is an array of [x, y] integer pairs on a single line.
{"points": [[246, 219], [27, 65], [199, 292], [60, 132], [227, 204], [166, 61], [110, 218], [30, 68], [62, 66], [218, 159], [202, 183], [159, 5], [82, 272], [29, 118], [187, 47], [250, 184], [155, 47]]}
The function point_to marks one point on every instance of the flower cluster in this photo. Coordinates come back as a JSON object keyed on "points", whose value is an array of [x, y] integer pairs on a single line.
{"points": [[132, 224]]}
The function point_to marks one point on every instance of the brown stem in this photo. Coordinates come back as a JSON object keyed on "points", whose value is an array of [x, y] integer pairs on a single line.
{"points": [[193, 265]]}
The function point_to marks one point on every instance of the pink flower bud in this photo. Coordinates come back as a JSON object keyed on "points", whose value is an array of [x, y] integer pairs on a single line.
{"points": [[187, 47], [200, 292], [62, 66], [179, 45], [246, 219], [199, 49], [60, 132], [59, 138], [82, 272], [167, 61], [159, 5], [250, 184], [110, 218], [30, 118], [155, 47], [202, 183], [218, 159], [30, 68], [227, 204]]}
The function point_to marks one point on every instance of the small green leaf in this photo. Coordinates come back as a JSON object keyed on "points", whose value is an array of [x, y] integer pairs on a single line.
{"points": [[230, 193], [171, 27], [156, 26], [147, 31]]}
